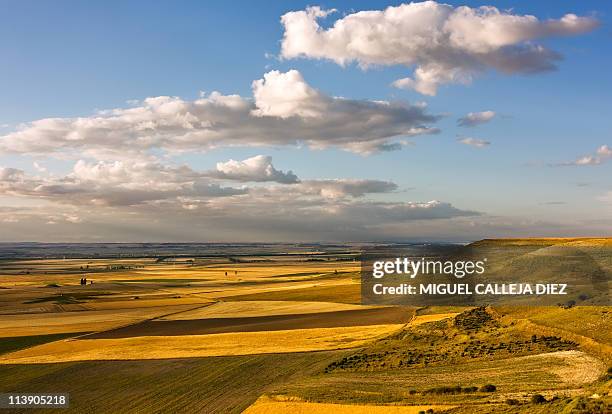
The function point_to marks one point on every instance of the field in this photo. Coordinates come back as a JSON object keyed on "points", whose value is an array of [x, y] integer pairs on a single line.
{"points": [[281, 329]]}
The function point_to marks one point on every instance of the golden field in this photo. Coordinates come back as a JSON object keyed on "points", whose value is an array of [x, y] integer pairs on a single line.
{"points": [[191, 346], [269, 406], [288, 334]]}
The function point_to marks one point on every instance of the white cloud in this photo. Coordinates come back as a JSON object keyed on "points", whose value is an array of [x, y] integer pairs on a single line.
{"points": [[445, 44], [340, 188], [286, 111], [602, 154], [145, 200], [478, 143], [38, 167], [118, 183], [286, 94], [476, 118], [607, 197], [258, 168], [11, 175]]}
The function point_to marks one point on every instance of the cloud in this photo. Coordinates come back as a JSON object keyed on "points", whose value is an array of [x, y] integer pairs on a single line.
{"points": [[258, 169], [285, 111], [285, 95], [119, 183], [339, 188], [602, 154], [235, 219], [148, 200], [11, 175], [444, 44], [38, 167], [478, 143], [607, 197], [475, 118]]}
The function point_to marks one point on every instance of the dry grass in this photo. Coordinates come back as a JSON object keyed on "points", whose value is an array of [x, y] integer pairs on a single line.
{"points": [[262, 308], [588, 326], [333, 291], [215, 385], [433, 317], [574, 368], [547, 241], [189, 346], [84, 321], [549, 373], [266, 405]]}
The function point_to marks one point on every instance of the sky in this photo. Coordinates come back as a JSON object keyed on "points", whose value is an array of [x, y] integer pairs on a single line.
{"points": [[298, 121]]}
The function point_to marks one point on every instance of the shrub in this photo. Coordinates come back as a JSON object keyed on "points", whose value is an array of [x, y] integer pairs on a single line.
{"points": [[488, 388], [512, 401], [538, 399]]}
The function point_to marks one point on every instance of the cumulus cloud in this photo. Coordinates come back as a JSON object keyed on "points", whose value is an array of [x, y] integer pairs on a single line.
{"points": [[475, 118], [138, 200], [285, 111], [601, 155], [258, 169], [474, 142], [119, 183], [10, 175], [444, 44], [339, 188], [236, 218], [286, 94]]}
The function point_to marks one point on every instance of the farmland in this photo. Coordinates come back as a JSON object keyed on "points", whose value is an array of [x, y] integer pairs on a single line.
{"points": [[281, 329]]}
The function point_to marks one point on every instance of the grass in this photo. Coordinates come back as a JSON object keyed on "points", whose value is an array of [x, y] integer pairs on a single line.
{"points": [[474, 334], [261, 308], [68, 298], [588, 326], [394, 386], [22, 342], [167, 280], [211, 385], [474, 351], [271, 406], [347, 293], [188, 346]]}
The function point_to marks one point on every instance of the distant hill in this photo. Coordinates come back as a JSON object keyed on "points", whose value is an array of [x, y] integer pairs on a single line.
{"points": [[545, 241]]}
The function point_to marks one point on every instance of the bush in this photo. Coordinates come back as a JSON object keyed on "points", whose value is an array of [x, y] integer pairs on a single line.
{"points": [[538, 399], [512, 401], [445, 390], [488, 388]]}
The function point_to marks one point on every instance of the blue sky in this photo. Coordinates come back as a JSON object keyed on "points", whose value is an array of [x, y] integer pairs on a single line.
{"points": [[69, 59]]}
